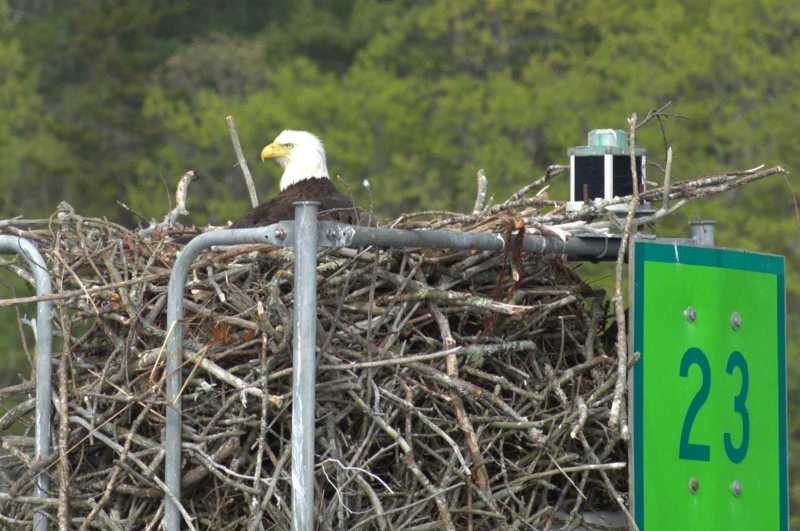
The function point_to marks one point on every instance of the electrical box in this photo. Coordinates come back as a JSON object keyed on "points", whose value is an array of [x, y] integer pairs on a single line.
{"points": [[601, 170]]}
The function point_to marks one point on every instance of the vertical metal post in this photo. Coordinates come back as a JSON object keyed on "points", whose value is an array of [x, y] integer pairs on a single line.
{"points": [[703, 232], [174, 359], [304, 364], [44, 346]]}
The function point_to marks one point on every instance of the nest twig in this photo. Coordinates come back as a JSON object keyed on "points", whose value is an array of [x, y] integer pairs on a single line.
{"points": [[455, 390]]}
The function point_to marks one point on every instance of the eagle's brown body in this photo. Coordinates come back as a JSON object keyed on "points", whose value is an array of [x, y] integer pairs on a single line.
{"points": [[333, 205]]}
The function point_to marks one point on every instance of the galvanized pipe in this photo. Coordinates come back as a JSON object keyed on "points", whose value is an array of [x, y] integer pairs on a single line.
{"points": [[273, 234], [702, 232], [44, 347], [575, 248], [304, 364]]}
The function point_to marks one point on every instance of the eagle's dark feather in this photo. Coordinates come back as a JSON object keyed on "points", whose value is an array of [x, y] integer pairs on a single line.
{"points": [[333, 205]]}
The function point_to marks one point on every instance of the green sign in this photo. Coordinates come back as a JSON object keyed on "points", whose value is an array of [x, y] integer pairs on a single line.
{"points": [[709, 390]]}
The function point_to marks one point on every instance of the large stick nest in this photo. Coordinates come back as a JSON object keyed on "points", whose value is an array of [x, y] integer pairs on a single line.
{"points": [[456, 390]]}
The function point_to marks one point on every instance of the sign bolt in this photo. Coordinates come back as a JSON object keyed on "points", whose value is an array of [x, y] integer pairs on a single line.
{"points": [[690, 314], [694, 485], [280, 234], [736, 488], [736, 320]]}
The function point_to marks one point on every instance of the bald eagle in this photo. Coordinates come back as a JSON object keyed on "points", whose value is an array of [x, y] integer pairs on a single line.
{"points": [[305, 178]]}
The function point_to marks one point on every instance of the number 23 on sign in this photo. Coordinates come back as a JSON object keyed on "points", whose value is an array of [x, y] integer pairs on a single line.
{"points": [[697, 451]]}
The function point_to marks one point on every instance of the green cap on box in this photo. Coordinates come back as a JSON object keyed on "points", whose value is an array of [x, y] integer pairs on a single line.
{"points": [[605, 142]]}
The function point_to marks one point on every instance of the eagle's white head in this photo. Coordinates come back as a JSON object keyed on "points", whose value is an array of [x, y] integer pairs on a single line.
{"points": [[300, 154]]}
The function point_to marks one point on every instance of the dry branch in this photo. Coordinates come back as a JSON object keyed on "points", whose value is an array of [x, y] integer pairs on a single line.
{"points": [[619, 305], [237, 147]]}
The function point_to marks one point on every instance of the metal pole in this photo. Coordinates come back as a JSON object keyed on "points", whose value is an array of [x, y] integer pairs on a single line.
{"points": [[44, 346], [703, 232], [304, 367], [274, 234], [576, 248]]}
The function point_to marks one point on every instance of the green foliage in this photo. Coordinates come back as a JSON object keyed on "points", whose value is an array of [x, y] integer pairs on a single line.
{"points": [[112, 100], [13, 362], [27, 148]]}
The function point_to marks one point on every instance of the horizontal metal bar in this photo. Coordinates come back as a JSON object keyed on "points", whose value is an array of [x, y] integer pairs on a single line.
{"points": [[332, 234], [44, 346]]}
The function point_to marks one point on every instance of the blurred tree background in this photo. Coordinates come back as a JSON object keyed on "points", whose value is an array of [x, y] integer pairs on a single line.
{"points": [[111, 100]]}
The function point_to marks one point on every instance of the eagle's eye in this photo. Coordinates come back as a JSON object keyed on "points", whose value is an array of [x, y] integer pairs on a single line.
{"points": [[289, 145]]}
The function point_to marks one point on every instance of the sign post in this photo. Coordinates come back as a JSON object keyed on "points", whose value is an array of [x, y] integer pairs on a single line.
{"points": [[709, 389]]}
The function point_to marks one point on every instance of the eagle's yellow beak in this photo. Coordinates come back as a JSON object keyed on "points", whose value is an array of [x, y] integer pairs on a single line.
{"points": [[274, 151]]}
